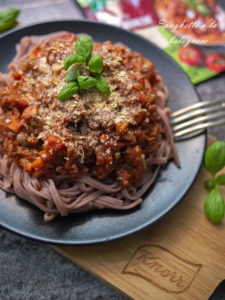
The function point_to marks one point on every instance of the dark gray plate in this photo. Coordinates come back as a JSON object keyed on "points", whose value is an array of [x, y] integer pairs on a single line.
{"points": [[171, 185]]}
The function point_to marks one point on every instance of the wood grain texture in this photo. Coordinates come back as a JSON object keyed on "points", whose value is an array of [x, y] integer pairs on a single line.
{"points": [[180, 257]]}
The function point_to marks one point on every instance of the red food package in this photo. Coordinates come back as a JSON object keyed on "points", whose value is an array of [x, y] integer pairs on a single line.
{"points": [[129, 14]]}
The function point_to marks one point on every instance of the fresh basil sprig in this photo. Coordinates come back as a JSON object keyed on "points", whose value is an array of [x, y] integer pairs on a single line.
{"points": [[72, 75], [102, 85], [73, 59], [82, 57], [8, 19], [84, 46], [214, 161], [96, 64], [68, 91], [210, 184], [86, 82], [215, 157], [214, 206], [220, 180]]}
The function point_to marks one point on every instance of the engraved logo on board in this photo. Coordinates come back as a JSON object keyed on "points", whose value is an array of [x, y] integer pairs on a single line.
{"points": [[162, 268]]}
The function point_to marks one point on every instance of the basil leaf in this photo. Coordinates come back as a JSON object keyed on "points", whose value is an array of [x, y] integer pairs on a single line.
{"points": [[68, 91], [214, 206], [86, 82], [221, 179], [102, 85], [210, 184], [8, 18], [203, 9], [72, 59], [96, 64], [215, 157], [72, 75], [84, 46]]}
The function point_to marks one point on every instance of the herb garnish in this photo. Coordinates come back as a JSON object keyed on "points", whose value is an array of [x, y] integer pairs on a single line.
{"points": [[96, 64], [86, 82], [214, 161], [68, 91], [102, 85], [77, 81], [72, 59], [72, 75], [8, 19], [84, 46]]}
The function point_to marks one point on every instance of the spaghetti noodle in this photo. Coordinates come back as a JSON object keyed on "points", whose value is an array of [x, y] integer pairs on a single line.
{"points": [[118, 183]]}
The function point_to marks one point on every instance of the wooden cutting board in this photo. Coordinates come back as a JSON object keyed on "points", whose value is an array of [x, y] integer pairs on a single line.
{"points": [[180, 257]]}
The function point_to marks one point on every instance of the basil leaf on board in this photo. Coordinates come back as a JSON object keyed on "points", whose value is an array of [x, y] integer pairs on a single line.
{"points": [[221, 179], [84, 46], [96, 64], [214, 206], [72, 59], [72, 75], [214, 159], [8, 18], [86, 82], [102, 85], [210, 184], [203, 9], [68, 91]]}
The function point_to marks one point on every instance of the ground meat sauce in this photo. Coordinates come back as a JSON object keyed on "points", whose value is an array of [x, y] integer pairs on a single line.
{"points": [[88, 133]]}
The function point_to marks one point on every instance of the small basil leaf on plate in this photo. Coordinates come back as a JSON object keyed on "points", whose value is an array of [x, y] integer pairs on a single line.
{"points": [[215, 157], [96, 64], [72, 75], [86, 82], [68, 91], [8, 18], [210, 184], [84, 46], [72, 59], [102, 85], [214, 206], [221, 179]]}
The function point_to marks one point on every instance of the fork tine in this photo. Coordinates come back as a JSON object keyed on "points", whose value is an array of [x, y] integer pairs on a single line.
{"points": [[199, 127], [197, 105], [195, 113], [201, 119]]}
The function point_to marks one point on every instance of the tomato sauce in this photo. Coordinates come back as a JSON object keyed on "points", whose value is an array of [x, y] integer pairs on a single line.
{"points": [[90, 132]]}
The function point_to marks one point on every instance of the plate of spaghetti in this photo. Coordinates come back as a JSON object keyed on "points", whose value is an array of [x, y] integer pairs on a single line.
{"points": [[87, 153]]}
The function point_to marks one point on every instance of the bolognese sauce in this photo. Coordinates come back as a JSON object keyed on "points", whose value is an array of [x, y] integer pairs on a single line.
{"points": [[90, 132]]}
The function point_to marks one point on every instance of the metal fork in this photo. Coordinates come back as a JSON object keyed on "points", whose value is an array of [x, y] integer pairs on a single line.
{"points": [[197, 117]]}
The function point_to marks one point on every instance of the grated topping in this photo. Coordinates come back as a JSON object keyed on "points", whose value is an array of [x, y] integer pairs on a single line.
{"points": [[89, 132]]}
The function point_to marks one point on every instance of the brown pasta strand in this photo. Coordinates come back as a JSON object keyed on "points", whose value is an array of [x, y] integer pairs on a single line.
{"points": [[55, 196]]}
